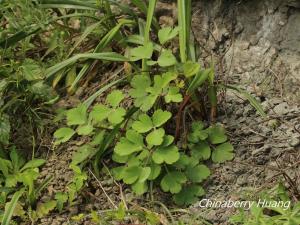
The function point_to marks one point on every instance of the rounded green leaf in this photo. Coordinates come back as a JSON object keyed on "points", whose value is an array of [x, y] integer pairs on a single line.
{"points": [[155, 137], [131, 174], [223, 153], [155, 171], [125, 147], [139, 188], [167, 154], [99, 113], [197, 173], [116, 115], [217, 134], [63, 134], [77, 116], [85, 129], [172, 182], [114, 98], [143, 125], [160, 117], [189, 195], [142, 52], [166, 59], [201, 151]]}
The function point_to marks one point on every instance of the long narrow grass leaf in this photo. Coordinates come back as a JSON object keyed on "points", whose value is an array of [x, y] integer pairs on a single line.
{"points": [[70, 4], [249, 97], [102, 44], [110, 56], [10, 207], [182, 29]]}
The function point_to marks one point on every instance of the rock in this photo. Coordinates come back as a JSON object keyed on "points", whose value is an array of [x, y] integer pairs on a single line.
{"points": [[281, 109], [294, 141]]}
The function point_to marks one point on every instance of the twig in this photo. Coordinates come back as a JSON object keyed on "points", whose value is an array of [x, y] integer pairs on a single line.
{"points": [[98, 181]]}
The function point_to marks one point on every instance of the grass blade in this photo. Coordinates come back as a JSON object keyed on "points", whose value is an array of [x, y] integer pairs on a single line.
{"points": [[6, 43], [249, 97], [68, 4], [110, 56], [150, 14], [10, 207], [90, 100], [87, 31], [102, 44], [182, 29]]}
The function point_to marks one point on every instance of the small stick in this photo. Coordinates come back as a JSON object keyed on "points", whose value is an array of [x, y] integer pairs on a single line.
{"points": [[98, 181]]}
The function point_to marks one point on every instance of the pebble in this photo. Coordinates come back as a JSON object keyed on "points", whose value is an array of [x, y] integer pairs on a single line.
{"points": [[282, 108], [295, 141]]}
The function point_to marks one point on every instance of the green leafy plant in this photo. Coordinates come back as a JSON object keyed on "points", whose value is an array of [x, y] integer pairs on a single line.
{"points": [[280, 213], [16, 171], [146, 138]]}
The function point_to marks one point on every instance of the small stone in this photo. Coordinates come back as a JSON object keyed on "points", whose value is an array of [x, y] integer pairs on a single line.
{"points": [[294, 142], [281, 109]]}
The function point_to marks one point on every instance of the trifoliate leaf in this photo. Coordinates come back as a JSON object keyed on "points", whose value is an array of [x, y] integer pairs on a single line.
{"points": [[141, 83], [172, 182], [189, 195], [155, 137], [99, 113], [63, 134], [197, 134], [155, 171], [139, 188], [141, 52], [83, 153], [166, 59], [217, 134], [134, 137], [126, 147], [167, 154], [131, 174], [143, 125], [197, 173], [173, 95], [160, 117], [200, 151], [114, 98], [191, 68], [222, 153], [167, 33], [116, 115], [85, 129], [132, 143], [77, 116]]}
